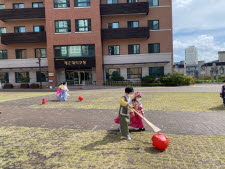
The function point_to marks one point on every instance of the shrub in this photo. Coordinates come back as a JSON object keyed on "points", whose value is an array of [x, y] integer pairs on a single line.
{"points": [[117, 78], [189, 80], [147, 79], [34, 86], [151, 84], [204, 78], [24, 86], [8, 86]]}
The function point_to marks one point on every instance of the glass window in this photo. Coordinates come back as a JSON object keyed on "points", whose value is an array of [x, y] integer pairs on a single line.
{"points": [[114, 50], [112, 1], [75, 51], [42, 76], [132, 1], [22, 77], [156, 71], [2, 6], [62, 26], [2, 30], [21, 53], [40, 53], [37, 5], [153, 2], [20, 29], [113, 25], [112, 72], [18, 5], [3, 54], [61, 3], [153, 25], [133, 24], [154, 48], [83, 25], [133, 49], [39, 28], [4, 77], [82, 3], [134, 73]]}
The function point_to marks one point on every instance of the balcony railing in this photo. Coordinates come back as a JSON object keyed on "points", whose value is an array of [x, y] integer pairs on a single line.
{"points": [[22, 14], [28, 37], [125, 8], [125, 33]]}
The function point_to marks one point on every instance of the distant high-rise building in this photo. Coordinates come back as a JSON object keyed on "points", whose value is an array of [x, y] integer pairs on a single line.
{"points": [[191, 55]]}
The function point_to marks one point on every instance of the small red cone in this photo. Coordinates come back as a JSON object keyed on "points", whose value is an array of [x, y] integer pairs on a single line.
{"points": [[44, 101], [80, 98]]}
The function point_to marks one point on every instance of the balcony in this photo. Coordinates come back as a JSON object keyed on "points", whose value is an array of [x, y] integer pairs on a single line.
{"points": [[125, 8], [125, 33], [28, 37], [22, 14]]}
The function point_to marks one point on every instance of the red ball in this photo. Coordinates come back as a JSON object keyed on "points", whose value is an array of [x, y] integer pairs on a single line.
{"points": [[80, 98], [160, 141]]}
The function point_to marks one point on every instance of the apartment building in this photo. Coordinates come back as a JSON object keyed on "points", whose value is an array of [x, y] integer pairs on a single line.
{"points": [[84, 41]]}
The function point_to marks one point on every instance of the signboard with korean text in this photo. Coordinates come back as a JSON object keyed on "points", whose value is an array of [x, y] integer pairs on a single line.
{"points": [[75, 62]]}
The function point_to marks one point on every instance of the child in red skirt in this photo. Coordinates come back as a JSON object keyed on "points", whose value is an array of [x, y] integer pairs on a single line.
{"points": [[135, 120]]}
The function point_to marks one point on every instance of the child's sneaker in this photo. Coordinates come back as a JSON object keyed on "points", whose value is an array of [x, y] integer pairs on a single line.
{"points": [[141, 129], [128, 138]]}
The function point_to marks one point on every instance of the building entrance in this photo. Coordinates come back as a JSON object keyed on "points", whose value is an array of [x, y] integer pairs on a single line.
{"points": [[78, 77]]}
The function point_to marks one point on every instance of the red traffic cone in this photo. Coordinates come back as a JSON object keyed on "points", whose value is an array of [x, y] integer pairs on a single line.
{"points": [[44, 101]]}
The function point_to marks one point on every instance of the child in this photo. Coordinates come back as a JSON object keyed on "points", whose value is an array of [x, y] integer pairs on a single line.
{"points": [[65, 91], [135, 120], [124, 117], [59, 92], [222, 95]]}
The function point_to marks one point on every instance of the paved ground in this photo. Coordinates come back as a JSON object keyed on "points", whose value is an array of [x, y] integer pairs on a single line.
{"points": [[17, 113]]}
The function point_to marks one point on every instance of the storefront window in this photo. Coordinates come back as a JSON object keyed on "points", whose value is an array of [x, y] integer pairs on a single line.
{"points": [[112, 72], [134, 73], [42, 77], [4, 77], [156, 71], [22, 77]]}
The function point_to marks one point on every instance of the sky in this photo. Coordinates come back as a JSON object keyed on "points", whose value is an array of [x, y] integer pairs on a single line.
{"points": [[200, 23]]}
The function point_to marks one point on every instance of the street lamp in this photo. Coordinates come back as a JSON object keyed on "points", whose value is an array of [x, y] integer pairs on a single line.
{"points": [[39, 63]]}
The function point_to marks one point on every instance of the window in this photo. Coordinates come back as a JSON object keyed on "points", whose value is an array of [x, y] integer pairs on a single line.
{"points": [[20, 29], [62, 26], [42, 76], [3, 54], [75, 51], [154, 48], [4, 77], [83, 25], [2, 30], [133, 49], [112, 73], [134, 73], [39, 28], [37, 5], [17, 6], [114, 50], [133, 24], [113, 25], [2, 6], [40, 53], [22, 77], [153, 2], [153, 25], [132, 1], [82, 3], [112, 2], [156, 71], [21, 53], [61, 3]]}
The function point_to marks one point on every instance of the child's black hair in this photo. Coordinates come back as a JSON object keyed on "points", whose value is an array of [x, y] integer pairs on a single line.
{"points": [[64, 83], [129, 89]]}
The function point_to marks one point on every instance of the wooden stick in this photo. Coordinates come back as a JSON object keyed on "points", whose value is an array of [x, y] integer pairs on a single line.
{"points": [[156, 129]]}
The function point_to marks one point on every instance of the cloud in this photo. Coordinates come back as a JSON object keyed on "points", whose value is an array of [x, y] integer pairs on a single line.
{"points": [[181, 3], [207, 46]]}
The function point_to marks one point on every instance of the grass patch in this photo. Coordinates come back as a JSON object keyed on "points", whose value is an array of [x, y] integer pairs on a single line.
{"points": [[9, 96], [177, 101], [22, 147]]}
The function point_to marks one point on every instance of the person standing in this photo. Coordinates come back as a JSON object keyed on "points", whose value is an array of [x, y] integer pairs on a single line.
{"points": [[65, 90], [222, 95]]}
